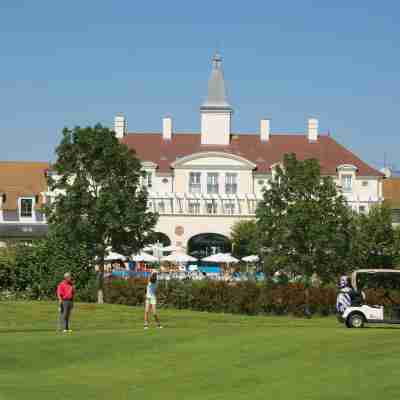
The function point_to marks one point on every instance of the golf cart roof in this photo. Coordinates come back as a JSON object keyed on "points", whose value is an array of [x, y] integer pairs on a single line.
{"points": [[383, 272]]}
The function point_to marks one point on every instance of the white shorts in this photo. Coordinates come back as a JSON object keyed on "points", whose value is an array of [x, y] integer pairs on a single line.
{"points": [[151, 301]]}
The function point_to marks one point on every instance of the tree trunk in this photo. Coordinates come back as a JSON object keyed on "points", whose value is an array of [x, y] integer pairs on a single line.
{"points": [[100, 283]]}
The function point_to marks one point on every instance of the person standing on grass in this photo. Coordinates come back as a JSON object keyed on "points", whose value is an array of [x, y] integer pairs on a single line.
{"points": [[65, 295], [151, 301]]}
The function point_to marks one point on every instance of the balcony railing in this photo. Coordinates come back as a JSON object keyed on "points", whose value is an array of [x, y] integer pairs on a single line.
{"points": [[203, 204]]}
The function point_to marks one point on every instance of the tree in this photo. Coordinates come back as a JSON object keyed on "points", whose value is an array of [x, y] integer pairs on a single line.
{"points": [[396, 247], [375, 242], [101, 202], [244, 238], [304, 224]]}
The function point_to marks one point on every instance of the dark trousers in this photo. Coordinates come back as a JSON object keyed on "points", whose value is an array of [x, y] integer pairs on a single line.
{"points": [[65, 312]]}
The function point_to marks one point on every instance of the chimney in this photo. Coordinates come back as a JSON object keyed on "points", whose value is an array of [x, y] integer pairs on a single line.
{"points": [[265, 130], [167, 128], [120, 126], [312, 129]]}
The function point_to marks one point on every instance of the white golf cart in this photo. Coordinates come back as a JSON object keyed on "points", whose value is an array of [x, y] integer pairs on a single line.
{"points": [[388, 282]]}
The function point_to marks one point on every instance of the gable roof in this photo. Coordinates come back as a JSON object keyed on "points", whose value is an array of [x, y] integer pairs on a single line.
{"points": [[22, 178], [152, 147]]}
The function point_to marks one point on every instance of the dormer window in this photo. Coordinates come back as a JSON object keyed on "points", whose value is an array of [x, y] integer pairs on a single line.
{"points": [[25, 206], [347, 176], [347, 182]]}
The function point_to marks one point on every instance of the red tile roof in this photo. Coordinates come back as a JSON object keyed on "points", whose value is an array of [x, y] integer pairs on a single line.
{"points": [[22, 178], [151, 147]]}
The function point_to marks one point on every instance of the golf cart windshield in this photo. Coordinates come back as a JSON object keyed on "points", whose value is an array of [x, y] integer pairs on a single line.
{"points": [[386, 279]]}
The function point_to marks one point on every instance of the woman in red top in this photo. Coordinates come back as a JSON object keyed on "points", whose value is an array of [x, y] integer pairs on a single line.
{"points": [[65, 294]]}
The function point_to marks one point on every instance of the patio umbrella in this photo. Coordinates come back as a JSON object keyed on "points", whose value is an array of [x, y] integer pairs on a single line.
{"points": [[143, 257], [172, 248], [216, 258], [221, 258], [179, 258], [229, 259], [225, 258], [251, 259], [112, 256]]}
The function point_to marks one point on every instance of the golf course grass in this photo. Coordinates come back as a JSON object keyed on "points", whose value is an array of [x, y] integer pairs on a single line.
{"points": [[196, 356]]}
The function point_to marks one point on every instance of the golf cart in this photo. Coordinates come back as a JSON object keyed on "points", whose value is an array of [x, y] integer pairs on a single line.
{"points": [[385, 283]]}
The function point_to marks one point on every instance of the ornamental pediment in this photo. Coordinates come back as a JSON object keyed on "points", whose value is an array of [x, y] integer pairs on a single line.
{"points": [[213, 160]]}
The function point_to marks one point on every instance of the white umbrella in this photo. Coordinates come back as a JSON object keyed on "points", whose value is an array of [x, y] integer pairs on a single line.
{"points": [[225, 258], [179, 258], [251, 259], [229, 259], [172, 248], [143, 257], [112, 256], [213, 258]]}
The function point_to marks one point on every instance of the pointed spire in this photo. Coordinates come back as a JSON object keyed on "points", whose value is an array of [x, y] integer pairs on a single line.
{"points": [[216, 98]]}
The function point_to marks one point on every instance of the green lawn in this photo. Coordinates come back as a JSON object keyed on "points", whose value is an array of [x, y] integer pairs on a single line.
{"points": [[196, 356]]}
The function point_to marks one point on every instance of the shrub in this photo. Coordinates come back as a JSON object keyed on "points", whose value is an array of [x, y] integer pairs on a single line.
{"points": [[249, 298]]}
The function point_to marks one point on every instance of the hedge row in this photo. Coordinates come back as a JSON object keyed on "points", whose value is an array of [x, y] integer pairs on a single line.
{"points": [[249, 298]]}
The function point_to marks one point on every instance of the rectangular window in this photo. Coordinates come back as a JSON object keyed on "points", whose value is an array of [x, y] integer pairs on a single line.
{"points": [[212, 183], [365, 183], [229, 208], [231, 183], [26, 208], [347, 182], [194, 207], [212, 207], [161, 207], [195, 182]]}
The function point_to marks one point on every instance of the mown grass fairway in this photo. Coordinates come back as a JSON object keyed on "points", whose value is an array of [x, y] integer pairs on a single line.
{"points": [[196, 356]]}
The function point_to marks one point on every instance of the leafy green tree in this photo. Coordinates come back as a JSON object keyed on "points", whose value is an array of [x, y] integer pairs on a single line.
{"points": [[304, 224], [375, 241], [244, 238], [396, 247], [102, 202], [7, 267]]}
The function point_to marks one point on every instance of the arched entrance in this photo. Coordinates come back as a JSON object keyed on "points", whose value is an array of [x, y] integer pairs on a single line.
{"points": [[205, 244], [159, 237]]}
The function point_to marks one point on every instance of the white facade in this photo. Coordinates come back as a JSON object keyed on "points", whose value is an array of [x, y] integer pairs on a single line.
{"points": [[207, 191], [184, 214]]}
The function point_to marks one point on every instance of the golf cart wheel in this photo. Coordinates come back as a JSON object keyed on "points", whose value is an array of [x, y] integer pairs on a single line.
{"points": [[355, 320]]}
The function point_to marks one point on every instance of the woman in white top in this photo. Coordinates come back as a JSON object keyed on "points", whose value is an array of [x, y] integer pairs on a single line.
{"points": [[151, 301]]}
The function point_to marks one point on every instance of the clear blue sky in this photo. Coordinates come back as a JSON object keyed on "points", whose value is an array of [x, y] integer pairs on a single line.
{"points": [[66, 63]]}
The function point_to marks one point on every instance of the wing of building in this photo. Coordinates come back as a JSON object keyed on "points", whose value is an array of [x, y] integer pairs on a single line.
{"points": [[22, 194], [203, 182]]}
